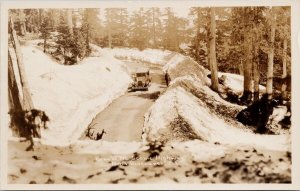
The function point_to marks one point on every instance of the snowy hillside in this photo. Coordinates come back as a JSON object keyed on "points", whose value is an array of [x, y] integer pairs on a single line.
{"points": [[72, 95]]}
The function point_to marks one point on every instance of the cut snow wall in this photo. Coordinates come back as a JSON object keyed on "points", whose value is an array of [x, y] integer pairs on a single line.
{"points": [[181, 99], [181, 66], [72, 95]]}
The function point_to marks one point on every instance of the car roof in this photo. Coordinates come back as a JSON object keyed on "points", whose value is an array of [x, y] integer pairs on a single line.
{"points": [[142, 70]]}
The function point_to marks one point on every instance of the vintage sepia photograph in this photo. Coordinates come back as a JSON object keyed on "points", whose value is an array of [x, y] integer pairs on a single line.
{"points": [[155, 94]]}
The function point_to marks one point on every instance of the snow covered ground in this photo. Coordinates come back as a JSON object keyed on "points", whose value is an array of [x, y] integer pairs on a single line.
{"points": [[152, 56], [190, 134], [180, 162], [72, 95], [235, 83]]}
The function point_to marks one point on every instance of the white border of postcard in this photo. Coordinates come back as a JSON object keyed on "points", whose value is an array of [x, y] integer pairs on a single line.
{"points": [[295, 23]]}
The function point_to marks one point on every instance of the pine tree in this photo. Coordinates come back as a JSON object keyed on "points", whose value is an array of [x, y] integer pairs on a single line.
{"points": [[174, 30], [198, 48], [248, 26], [45, 30], [70, 21], [119, 27], [258, 22], [91, 25], [116, 26], [22, 21], [53, 16], [139, 33], [109, 26], [80, 48], [65, 39], [121, 37], [154, 25]]}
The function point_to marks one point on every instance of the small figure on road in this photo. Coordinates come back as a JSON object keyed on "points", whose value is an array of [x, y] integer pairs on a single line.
{"points": [[167, 78]]}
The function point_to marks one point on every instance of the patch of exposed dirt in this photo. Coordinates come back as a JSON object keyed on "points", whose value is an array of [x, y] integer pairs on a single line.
{"points": [[181, 130]]}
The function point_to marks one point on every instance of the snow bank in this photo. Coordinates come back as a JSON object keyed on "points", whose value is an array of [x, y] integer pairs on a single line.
{"points": [[176, 59], [180, 66], [152, 56], [96, 51], [205, 124], [72, 95], [205, 114], [235, 82]]}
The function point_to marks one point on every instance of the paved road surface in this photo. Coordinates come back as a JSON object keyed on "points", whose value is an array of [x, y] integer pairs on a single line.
{"points": [[123, 119]]}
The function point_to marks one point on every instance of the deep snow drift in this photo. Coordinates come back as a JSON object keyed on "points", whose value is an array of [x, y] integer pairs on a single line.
{"points": [[72, 95], [200, 112]]}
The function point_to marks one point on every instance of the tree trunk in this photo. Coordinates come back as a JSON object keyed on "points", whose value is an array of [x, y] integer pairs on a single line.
{"points": [[208, 49], [88, 38], [15, 99], [70, 21], [256, 72], [87, 31], [123, 24], [40, 18], [109, 29], [45, 42], [247, 94], [27, 101], [256, 77], [271, 57], [284, 72], [197, 45], [212, 46], [154, 27], [241, 68]]}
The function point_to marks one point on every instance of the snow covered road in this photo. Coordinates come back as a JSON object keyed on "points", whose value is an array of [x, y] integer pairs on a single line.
{"points": [[123, 119]]}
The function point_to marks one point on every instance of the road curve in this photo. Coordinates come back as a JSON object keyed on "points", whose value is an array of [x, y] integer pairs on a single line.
{"points": [[123, 119]]}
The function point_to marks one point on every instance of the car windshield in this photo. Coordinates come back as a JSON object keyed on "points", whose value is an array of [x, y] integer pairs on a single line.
{"points": [[140, 74]]}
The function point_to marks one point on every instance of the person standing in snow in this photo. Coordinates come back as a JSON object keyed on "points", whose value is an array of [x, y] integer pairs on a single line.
{"points": [[167, 78]]}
